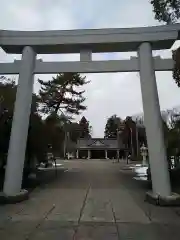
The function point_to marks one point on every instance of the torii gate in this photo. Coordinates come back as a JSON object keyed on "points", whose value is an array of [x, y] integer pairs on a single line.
{"points": [[86, 42]]}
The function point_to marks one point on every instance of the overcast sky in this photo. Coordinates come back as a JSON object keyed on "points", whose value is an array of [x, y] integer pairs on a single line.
{"points": [[107, 94]]}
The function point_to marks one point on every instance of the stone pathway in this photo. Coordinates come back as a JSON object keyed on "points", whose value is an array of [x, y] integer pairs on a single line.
{"points": [[92, 200]]}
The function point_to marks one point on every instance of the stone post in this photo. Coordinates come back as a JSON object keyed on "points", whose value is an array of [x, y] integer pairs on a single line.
{"points": [[77, 154], [118, 155], [20, 124], [85, 55], [153, 123], [89, 154], [106, 155]]}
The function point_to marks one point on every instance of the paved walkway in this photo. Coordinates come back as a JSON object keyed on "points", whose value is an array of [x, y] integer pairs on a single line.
{"points": [[94, 199]]}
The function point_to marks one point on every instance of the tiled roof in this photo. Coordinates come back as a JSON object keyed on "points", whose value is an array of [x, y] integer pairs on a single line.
{"points": [[97, 143]]}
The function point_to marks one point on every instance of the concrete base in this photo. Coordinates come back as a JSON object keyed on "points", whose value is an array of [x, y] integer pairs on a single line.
{"points": [[173, 200], [22, 196]]}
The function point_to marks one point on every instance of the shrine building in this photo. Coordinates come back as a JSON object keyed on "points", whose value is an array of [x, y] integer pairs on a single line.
{"points": [[98, 148]]}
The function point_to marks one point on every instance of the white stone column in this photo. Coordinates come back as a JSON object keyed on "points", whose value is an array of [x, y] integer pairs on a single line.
{"points": [[77, 154], [106, 156], [153, 123], [118, 154], [89, 154], [144, 162], [85, 55], [20, 124]]}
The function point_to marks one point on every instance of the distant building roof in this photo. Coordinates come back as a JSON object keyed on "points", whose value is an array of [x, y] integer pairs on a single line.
{"points": [[98, 143]]}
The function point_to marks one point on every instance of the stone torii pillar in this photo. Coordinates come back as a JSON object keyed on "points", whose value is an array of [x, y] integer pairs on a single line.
{"points": [[106, 154], [20, 124], [89, 154], [77, 153], [117, 154], [154, 129]]}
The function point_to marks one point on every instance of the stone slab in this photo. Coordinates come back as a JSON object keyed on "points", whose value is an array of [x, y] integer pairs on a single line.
{"points": [[6, 213], [18, 229], [55, 224], [98, 207], [4, 220], [55, 234], [67, 205], [135, 231], [33, 211], [164, 215], [125, 208], [5, 235], [96, 233]]}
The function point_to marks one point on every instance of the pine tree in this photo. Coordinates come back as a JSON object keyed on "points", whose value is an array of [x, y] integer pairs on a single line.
{"points": [[61, 94], [166, 10], [176, 70], [84, 128], [112, 126]]}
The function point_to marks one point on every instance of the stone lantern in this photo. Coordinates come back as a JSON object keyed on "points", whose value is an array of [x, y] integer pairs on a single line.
{"points": [[144, 154]]}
